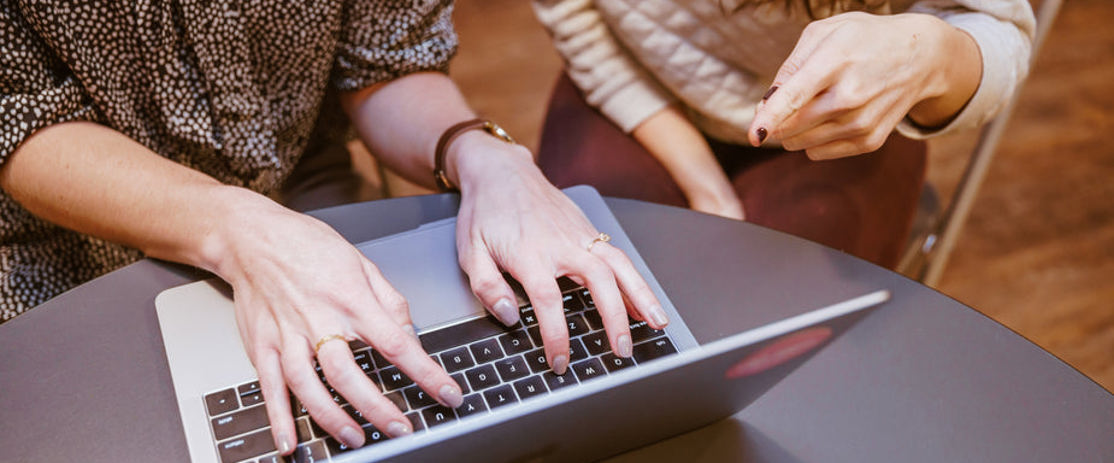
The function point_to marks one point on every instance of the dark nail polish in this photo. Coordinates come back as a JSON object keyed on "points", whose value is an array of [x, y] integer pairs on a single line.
{"points": [[761, 134], [769, 93]]}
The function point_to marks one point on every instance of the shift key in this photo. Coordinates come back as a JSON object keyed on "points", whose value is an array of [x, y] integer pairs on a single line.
{"points": [[247, 446]]}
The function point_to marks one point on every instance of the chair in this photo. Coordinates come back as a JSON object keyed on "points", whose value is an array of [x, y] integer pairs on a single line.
{"points": [[928, 254]]}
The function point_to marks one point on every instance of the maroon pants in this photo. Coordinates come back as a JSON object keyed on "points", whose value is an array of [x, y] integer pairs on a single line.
{"points": [[863, 205]]}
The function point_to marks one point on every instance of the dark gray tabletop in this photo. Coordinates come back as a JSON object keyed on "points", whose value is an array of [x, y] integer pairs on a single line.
{"points": [[84, 378]]}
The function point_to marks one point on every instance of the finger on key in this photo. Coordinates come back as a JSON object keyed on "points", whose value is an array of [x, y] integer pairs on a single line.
{"points": [[634, 287], [609, 303], [545, 297], [351, 383], [276, 400], [406, 353], [301, 378]]}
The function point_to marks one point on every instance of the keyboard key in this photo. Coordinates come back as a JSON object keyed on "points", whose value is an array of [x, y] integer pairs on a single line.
{"points": [[249, 388], [248, 419], [530, 387], [374, 377], [572, 303], [516, 342], [640, 331], [313, 452], [335, 448], [589, 369], [416, 421], [472, 405], [529, 318], [247, 446], [482, 377], [536, 335], [460, 381], [486, 350], [273, 459], [615, 363], [438, 415], [457, 359], [586, 296], [594, 320], [577, 351], [363, 360], [397, 399], [356, 344], [654, 349], [577, 325], [393, 379], [381, 362], [355, 414], [255, 398], [512, 368], [461, 334], [417, 398], [536, 360], [221, 402], [597, 342], [556, 382], [301, 430], [373, 436], [500, 396]]}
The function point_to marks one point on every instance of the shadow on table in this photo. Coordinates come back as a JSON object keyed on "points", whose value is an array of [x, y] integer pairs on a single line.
{"points": [[724, 440]]}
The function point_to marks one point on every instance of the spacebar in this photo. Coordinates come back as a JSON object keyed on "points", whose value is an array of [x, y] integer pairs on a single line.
{"points": [[461, 334]]}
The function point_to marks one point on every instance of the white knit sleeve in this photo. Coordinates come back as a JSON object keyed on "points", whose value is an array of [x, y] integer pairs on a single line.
{"points": [[1003, 31], [603, 70]]}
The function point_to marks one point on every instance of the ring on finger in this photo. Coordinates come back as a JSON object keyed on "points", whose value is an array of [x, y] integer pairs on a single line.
{"points": [[329, 337], [601, 238]]}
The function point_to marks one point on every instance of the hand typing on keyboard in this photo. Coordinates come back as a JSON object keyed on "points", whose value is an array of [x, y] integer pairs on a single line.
{"points": [[537, 234]]}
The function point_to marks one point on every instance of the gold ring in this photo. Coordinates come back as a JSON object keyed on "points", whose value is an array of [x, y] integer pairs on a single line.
{"points": [[327, 338], [601, 238]]}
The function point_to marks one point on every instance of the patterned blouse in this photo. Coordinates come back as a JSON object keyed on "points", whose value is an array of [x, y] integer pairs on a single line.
{"points": [[236, 89]]}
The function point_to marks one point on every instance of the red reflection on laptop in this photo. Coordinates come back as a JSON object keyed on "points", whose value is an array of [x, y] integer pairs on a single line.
{"points": [[779, 352]]}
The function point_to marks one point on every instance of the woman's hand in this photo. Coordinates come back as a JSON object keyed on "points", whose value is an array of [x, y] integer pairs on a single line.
{"points": [[511, 219], [297, 282], [853, 77]]}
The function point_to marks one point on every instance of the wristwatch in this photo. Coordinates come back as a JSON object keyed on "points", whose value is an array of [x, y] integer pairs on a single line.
{"points": [[439, 175]]}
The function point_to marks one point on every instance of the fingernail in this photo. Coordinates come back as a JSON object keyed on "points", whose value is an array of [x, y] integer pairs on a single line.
{"points": [[769, 93], [506, 311], [658, 314], [560, 364], [761, 134], [351, 437], [450, 396], [624, 345], [397, 429], [284, 444]]}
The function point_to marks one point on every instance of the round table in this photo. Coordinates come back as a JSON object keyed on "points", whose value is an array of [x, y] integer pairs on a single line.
{"points": [[84, 378]]}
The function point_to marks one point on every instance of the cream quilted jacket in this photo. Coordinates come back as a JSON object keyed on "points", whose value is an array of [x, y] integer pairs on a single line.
{"points": [[631, 58]]}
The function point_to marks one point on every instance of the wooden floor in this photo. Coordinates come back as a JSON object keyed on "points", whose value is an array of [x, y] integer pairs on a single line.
{"points": [[1037, 253]]}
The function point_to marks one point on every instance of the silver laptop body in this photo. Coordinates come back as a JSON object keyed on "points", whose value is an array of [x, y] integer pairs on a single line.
{"points": [[604, 413]]}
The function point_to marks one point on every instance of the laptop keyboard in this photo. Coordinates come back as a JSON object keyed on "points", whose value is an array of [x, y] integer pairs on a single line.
{"points": [[494, 365]]}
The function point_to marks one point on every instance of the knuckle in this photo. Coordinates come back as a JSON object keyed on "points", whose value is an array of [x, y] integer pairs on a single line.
{"points": [[486, 285], [393, 344], [393, 300]]}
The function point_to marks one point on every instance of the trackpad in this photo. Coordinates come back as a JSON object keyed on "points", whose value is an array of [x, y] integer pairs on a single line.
{"points": [[422, 265]]}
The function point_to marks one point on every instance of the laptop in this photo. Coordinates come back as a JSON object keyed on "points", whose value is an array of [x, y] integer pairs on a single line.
{"points": [[515, 408]]}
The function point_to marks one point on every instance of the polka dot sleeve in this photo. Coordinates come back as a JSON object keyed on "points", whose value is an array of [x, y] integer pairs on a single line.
{"points": [[36, 88], [384, 40]]}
